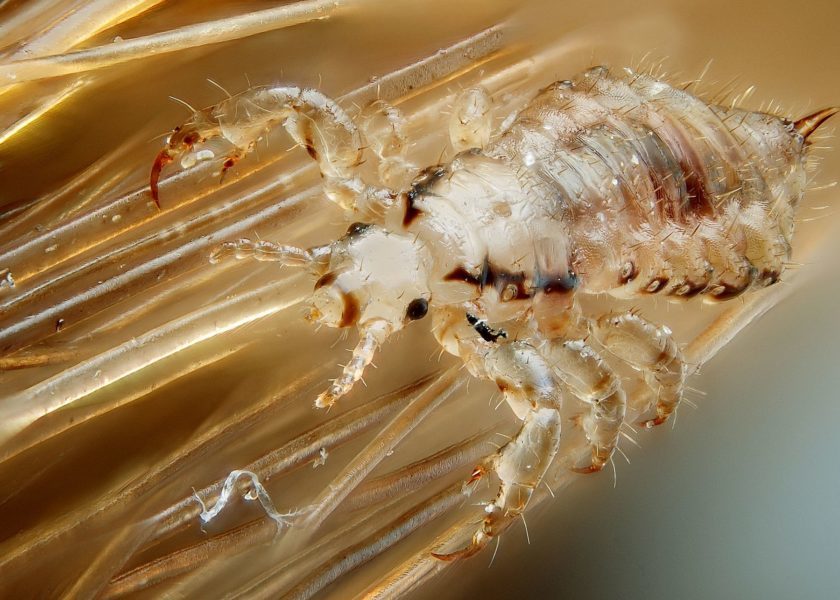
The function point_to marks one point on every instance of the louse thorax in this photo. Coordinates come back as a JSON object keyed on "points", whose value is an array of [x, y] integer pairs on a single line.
{"points": [[373, 276], [492, 244]]}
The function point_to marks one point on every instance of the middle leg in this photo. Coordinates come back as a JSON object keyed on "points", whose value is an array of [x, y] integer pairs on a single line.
{"points": [[590, 379]]}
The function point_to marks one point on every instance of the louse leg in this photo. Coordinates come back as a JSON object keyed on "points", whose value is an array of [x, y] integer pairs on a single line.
{"points": [[650, 349], [591, 380], [529, 386], [313, 120], [384, 128], [472, 120], [520, 465], [262, 250]]}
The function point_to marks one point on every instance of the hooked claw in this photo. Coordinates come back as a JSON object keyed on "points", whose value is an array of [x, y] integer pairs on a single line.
{"points": [[587, 470], [651, 423], [479, 541], [229, 163], [163, 158]]}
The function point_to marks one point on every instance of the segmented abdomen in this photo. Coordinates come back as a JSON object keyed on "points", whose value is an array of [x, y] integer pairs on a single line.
{"points": [[659, 191]]}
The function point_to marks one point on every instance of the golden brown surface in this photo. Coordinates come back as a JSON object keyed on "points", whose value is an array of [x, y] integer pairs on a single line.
{"points": [[140, 351]]}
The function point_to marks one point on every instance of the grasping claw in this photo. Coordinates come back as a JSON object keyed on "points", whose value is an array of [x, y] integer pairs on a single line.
{"points": [[163, 158], [182, 140]]}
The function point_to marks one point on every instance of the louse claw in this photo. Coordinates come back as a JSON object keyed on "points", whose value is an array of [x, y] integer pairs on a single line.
{"points": [[163, 158], [809, 124], [651, 423], [474, 548], [588, 469]]}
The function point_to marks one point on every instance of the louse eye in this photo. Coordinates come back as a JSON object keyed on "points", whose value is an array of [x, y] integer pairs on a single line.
{"points": [[417, 309]]}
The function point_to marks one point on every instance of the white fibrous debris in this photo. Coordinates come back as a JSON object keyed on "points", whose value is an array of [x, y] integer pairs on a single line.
{"points": [[257, 492]]}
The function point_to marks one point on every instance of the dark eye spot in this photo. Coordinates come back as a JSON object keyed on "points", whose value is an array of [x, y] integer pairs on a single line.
{"points": [[417, 309], [357, 229]]}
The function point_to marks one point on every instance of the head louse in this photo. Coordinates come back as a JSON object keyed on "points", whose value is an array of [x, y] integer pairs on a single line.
{"points": [[607, 183]]}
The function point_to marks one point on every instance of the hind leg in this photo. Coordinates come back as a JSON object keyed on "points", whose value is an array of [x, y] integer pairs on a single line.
{"points": [[651, 350]]}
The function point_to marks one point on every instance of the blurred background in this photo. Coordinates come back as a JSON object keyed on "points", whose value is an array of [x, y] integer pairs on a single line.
{"points": [[737, 500]]}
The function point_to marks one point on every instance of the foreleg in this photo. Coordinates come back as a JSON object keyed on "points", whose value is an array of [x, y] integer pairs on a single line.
{"points": [[384, 127], [650, 349], [314, 121]]}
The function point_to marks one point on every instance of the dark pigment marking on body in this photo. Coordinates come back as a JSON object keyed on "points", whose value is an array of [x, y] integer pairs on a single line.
{"points": [[502, 280], [351, 311], [487, 333], [420, 186], [357, 229], [556, 284], [326, 279]]}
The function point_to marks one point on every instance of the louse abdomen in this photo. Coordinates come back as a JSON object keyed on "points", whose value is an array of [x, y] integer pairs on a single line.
{"points": [[660, 192]]}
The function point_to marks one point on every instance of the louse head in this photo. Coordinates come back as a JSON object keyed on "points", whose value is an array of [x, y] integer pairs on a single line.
{"points": [[375, 280], [373, 275]]}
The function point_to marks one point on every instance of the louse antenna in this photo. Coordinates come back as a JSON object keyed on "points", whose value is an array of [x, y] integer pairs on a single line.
{"points": [[371, 336], [808, 125], [266, 251]]}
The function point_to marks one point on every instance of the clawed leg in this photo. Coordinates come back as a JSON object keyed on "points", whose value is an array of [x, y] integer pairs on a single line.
{"points": [[650, 349], [314, 121], [262, 250], [520, 465], [590, 379], [527, 382], [384, 127]]}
